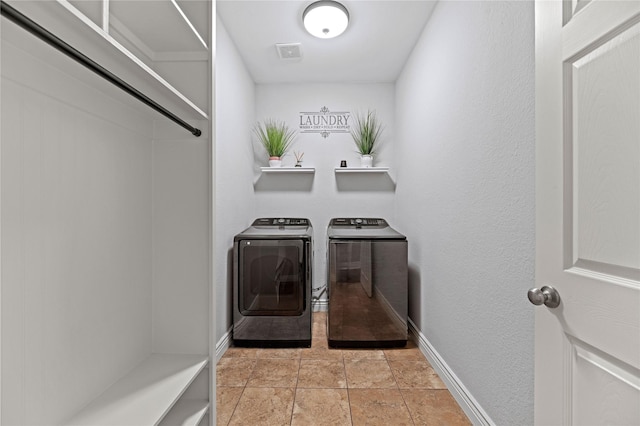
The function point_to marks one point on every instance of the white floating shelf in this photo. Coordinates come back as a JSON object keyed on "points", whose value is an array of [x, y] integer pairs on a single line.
{"points": [[146, 394], [362, 170], [361, 175], [288, 169]]}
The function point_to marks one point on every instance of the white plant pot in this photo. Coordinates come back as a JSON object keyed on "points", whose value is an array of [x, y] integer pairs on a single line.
{"points": [[366, 161], [275, 162]]}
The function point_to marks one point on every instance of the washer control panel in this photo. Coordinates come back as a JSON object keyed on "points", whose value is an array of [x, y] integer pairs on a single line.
{"points": [[280, 221], [359, 222]]}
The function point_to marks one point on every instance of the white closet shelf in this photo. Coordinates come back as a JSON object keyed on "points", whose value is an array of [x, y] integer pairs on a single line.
{"points": [[67, 22], [186, 412], [288, 169], [152, 75], [146, 394]]}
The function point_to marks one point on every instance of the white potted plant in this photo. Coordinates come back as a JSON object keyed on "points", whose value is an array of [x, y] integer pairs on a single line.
{"points": [[276, 138], [366, 134]]}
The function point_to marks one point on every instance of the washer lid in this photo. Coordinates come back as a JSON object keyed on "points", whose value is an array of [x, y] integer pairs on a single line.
{"points": [[362, 228], [274, 228]]}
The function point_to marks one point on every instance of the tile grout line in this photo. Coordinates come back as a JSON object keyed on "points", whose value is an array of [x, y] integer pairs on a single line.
{"points": [[346, 385], [295, 389], [244, 388], [237, 403], [395, 379]]}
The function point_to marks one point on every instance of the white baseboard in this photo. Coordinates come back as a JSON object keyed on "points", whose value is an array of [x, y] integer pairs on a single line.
{"points": [[223, 344], [467, 402], [320, 305]]}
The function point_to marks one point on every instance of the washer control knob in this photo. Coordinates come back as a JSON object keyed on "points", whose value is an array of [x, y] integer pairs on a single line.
{"points": [[358, 221], [280, 220]]}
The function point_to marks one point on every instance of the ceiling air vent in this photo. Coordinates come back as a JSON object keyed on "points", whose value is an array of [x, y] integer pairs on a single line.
{"points": [[289, 50]]}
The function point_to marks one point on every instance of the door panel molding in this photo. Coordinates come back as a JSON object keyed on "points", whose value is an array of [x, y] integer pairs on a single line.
{"points": [[589, 365], [602, 157], [596, 24], [587, 350]]}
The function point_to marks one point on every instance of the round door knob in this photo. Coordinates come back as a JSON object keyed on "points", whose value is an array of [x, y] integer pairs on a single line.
{"points": [[546, 295]]}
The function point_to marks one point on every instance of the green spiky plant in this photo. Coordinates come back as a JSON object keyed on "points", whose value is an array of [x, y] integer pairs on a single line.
{"points": [[275, 136], [366, 132]]}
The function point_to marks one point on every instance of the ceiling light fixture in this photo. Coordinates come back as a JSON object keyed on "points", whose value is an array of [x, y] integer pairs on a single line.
{"points": [[325, 19]]}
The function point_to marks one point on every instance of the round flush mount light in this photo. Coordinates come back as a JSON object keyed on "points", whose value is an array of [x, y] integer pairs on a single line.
{"points": [[325, 19]]}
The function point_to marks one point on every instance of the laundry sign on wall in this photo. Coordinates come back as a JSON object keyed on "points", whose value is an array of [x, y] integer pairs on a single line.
{"points": [[325, 122]]}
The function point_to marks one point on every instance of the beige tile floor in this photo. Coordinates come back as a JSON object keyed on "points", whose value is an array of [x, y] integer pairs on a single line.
{"points": [[322, 386]]}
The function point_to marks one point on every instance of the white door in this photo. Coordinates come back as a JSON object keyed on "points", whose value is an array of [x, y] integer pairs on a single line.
{"points": [[587, 361]]}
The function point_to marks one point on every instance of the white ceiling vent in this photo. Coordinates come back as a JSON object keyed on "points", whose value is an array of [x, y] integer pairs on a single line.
{"points": [[289, 50]]}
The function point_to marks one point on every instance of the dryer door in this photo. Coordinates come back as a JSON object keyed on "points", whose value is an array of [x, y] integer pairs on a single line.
{"points": [[271, 277]]}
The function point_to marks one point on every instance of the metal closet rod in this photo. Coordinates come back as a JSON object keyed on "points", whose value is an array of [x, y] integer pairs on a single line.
{"points": [[49, 38]]}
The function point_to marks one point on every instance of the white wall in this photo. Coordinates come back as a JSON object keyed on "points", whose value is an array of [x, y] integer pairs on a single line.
{"points": [[180, 232], [324, 195], [235, 202], [76, 237], [465, 196]]}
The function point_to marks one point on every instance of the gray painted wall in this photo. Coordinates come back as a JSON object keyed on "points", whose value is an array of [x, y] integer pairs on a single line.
{"points": [[235, 200], [465, 196]]}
